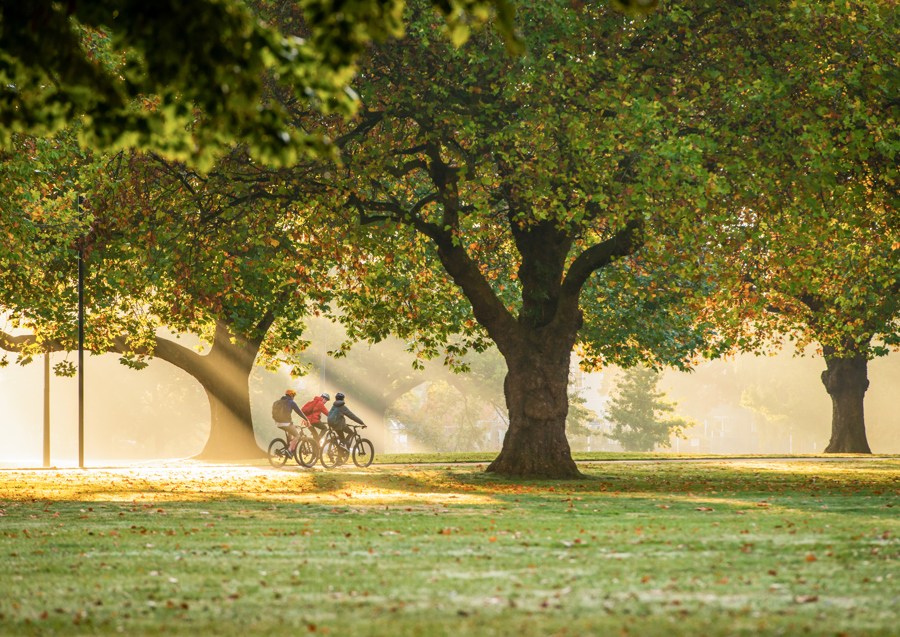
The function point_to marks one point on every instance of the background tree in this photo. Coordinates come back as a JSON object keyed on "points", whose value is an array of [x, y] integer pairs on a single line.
{"points": [[578, 420], [167, 246], [837, 294], [440, 418], [641, 417], [819, 262]]}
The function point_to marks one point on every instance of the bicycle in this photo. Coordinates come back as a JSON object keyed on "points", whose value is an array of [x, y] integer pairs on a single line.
{"points": [[360, 449], [333, 454], [279, 451], [306, 451]]}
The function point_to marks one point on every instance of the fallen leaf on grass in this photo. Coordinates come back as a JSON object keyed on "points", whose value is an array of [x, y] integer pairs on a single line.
{"points": [[704, 509], [806, 599]]}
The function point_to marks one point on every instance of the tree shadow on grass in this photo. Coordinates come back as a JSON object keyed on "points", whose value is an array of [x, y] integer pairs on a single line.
{"points": [[836, 487]]}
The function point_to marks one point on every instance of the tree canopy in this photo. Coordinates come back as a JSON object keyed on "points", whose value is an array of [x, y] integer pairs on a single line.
{"points": [[571, 182], [186, 77]]}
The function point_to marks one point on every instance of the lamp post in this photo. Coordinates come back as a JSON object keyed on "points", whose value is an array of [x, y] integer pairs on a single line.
{"points": [[81, 340], [46, 409], [324, 353]]}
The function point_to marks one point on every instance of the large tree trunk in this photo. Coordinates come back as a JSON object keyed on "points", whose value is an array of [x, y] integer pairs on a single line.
{"points": [[225, 375], [537, 345], [846, 382], [536, 396]]}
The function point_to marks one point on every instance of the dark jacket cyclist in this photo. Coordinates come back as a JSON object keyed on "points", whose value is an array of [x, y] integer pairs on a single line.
{"points": [[337, 418]]}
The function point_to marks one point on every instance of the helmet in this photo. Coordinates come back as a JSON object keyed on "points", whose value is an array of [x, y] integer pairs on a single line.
{"points": [[339, 396], [290, 393], [326, 396]]}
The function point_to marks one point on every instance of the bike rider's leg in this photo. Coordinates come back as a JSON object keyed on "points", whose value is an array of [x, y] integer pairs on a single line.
{"points": [[293, 436]]}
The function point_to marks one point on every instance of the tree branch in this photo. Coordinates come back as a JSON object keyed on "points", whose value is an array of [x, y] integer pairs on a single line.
{"points": [[178, 355], [408, 167], [488, 308], [26, 342], [410, 383], [181, 357], [626, 241]]}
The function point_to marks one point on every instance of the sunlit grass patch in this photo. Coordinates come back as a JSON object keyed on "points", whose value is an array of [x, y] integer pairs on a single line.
{"points": [[650, 549]]}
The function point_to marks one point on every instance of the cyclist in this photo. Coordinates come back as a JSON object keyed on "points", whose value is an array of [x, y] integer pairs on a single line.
{"points": [[314, 410], [281, 413], [337, 418]]}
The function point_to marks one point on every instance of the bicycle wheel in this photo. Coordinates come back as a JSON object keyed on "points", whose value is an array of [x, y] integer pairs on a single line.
{"points": [[278, 453], [331, 455], [363, 453], [306, 453], [344, 451]]}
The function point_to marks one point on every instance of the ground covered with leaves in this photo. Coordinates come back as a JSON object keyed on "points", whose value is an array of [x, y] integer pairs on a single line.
{"points": [[740, 548]]}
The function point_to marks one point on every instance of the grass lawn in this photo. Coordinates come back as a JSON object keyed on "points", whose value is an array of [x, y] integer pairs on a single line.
{"points": [[486, 457], [580, 456], [750, 547]]}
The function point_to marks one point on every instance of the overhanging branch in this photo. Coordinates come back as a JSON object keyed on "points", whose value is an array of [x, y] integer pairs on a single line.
{"points": [[29, 343], [182, 357], [489, 310]]}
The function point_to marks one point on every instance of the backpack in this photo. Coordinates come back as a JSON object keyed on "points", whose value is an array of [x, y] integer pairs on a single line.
{"points": [[281, 411], [309, 407], [334, 416]]}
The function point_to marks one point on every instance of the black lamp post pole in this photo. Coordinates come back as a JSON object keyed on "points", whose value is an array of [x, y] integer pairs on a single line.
{"points": [[46, 410], [81, 341]]}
